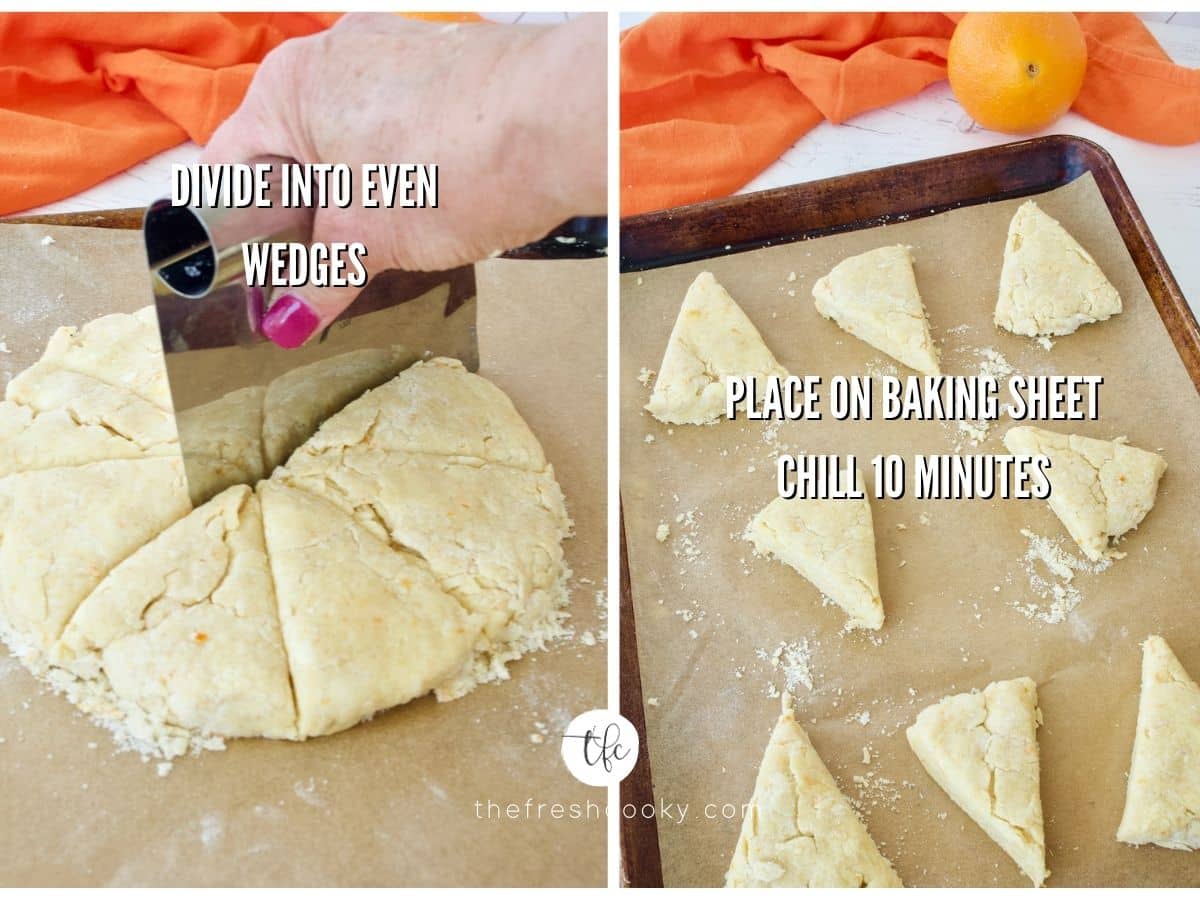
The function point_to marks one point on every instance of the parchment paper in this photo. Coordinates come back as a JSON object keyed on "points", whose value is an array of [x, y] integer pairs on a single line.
{"points": [[391, 802], [700, 620]]}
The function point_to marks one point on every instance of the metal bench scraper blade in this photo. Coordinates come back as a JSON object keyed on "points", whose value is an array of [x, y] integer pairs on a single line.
{"points": [[242, 403]]}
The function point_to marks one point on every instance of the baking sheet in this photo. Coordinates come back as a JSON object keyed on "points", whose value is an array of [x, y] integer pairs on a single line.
{"points": [[951, 572], [391, 802]]}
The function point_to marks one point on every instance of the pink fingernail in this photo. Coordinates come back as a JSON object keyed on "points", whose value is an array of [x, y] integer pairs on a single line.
{"points": [[290, 321]]}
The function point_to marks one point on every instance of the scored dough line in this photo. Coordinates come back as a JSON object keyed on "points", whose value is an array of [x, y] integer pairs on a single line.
{"points": [[283, 641]]}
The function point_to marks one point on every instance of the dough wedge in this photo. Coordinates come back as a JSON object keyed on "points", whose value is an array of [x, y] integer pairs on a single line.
{"points": [[299, 400], [65, 437], [799, 830], [184, 634], [439, 408], [1098, 489], [146, 429], [67, 528], [1162, 800], [120, 350], [832, 544], [224, 440], [874, 297], [491, 534], [981, 748], [365, 624], [1049, 285], [712, 340]]}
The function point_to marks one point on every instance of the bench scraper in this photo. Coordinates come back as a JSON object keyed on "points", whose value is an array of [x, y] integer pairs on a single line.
{"points": [[242, 403]]}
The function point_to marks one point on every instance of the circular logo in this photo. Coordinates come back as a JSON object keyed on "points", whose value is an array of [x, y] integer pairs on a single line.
{"points": [[600, 747]]}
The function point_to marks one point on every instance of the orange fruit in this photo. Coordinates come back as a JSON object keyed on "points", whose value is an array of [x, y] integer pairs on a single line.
{"points": [[1017, 72]]}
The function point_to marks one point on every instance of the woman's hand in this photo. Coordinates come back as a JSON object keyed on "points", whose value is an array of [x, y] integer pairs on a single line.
{"points": [[514, 117]]}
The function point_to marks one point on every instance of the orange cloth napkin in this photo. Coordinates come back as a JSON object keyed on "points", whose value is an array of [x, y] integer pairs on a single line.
{"points": [[86, 95], [710, 100]]}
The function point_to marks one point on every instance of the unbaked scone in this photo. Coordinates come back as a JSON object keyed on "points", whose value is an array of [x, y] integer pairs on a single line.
{"points": [[67, 528], [120, 350], [183, 636], [712, 340], [301, 399], [148, 428], [224, 438], [438, 408], [75, 434], [78, 404], [1162, 801], [874, 297], [1049, 284], [981, 748], [799, 830], [1098, 489], [492, 534], [832, 544], [366, 625]]}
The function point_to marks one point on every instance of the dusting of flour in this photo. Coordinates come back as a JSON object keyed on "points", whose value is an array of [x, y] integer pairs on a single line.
{"points": [[1051, 571]]}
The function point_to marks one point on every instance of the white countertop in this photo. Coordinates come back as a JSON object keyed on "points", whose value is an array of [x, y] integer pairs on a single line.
{"points": [[1165, 181]]}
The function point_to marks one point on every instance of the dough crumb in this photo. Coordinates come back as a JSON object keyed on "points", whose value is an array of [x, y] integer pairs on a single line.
{"points": [[1045, 342], [975, 432], [791, 276], [875, 790], [47, 241], [164, 769], [994, 364], [645, 376], [587, 639], [686, 545], [663, 532], [652, 701], [793, 659], [536, 738], [649, 439], [866, 757]]}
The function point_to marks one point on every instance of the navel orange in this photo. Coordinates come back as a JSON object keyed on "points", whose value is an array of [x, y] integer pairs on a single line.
{"points": [[1017, 72]]}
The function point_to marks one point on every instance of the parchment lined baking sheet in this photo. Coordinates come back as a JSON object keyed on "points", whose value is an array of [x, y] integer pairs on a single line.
{"points": [[393, 801], [951, 572]]}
